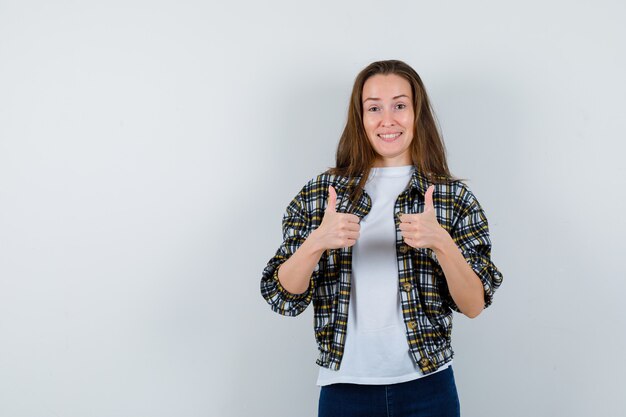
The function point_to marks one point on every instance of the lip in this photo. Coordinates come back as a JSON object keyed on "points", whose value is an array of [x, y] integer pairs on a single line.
{"points": [[391, 139]]}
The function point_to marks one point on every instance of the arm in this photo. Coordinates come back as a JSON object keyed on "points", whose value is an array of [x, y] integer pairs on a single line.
{"points": [[465, 257], [337, 230], [296, 259], [295, 273], [289, 278], [464, 285]]}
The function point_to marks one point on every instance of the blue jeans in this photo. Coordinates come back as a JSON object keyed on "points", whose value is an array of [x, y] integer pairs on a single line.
{"points": [[430, 396]]}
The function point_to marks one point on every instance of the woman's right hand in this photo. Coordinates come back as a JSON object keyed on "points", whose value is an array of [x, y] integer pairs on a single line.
{"points": [[338, 230]]}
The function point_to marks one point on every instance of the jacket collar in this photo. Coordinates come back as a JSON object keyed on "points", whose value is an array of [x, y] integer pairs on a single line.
{"points": [[418, 181]]}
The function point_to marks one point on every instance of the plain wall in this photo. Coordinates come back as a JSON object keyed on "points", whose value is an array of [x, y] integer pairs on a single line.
{"points": [[148, 150]]}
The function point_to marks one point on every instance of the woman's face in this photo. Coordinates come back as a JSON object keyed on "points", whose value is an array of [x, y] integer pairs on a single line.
{"points": [[388, 118]]}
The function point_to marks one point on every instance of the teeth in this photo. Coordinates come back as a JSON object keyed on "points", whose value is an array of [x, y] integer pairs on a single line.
{"points": [[390, 136]]}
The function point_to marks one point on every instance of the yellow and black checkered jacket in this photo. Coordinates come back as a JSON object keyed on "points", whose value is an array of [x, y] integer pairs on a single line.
{"points": [[426, 302]]}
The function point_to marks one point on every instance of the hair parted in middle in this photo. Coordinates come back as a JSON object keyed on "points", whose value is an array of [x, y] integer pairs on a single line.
{"points": [[355, 154]]}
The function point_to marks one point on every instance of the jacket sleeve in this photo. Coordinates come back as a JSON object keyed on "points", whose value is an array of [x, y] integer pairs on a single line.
{"points": [[471, 235], [296, 228]]}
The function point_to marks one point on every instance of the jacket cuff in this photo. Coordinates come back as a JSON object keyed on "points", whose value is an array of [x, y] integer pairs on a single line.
{"points": [[489, 275], [289, 296]]}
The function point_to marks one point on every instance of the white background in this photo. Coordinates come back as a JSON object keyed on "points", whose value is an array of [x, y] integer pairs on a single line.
{"points": [[148, 150]]}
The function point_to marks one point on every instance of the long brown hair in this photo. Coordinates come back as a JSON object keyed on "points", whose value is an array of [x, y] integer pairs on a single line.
{"points": [[355, 154]]}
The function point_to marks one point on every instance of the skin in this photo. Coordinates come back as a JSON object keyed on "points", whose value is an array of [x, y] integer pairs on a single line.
{"points": [[387, 109], [337, 230], [422, 230]]}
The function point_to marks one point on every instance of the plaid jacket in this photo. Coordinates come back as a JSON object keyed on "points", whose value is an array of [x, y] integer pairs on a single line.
{"points": [[426, 302]]}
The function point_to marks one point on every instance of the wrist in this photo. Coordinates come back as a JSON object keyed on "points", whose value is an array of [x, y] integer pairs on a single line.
{"points": [[444, 244], [314, 243]]}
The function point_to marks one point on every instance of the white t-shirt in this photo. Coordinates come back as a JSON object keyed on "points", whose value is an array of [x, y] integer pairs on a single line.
{"points": [[376, 349]]}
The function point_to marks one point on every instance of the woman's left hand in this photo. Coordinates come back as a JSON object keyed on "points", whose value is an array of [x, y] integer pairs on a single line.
{"points": [[422, 230]]}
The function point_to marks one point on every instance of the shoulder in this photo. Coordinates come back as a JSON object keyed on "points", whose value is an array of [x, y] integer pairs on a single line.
{"points": [[313, 196], [320, 182], [314, 192], [465, 199], [453, 193]]}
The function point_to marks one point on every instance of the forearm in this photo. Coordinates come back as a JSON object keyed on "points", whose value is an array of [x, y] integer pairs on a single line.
{"points": [[464, 285], [295, 273]]}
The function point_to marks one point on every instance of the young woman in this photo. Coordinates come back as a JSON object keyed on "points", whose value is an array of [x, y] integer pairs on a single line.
{"points": [[386, 245]]}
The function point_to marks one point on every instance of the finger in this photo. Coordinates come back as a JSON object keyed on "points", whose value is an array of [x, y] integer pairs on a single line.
{"points": [[428, 199], [406, 217], [353, 218], [353, 226], [353, 235], [332, 199]]}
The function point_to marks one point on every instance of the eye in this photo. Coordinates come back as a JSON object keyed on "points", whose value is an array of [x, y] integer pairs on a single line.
{"points": [[373, 108], [401, 106]]}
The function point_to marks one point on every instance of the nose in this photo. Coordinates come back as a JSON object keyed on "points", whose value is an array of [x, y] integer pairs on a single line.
{"points": [[387, 119]]}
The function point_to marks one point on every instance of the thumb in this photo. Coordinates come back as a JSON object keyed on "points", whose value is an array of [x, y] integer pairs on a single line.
{"points": [[332, 199], [428, 199]]}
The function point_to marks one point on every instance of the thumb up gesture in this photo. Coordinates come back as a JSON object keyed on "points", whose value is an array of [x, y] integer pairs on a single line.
{"points": [[337, 230], [422, 230]]}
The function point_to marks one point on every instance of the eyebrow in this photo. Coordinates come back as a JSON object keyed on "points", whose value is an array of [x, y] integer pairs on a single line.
{"points": [[376, 98]]}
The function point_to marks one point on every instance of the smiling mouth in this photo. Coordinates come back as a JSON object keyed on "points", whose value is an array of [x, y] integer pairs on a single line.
{"points": [[390, 137]]}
